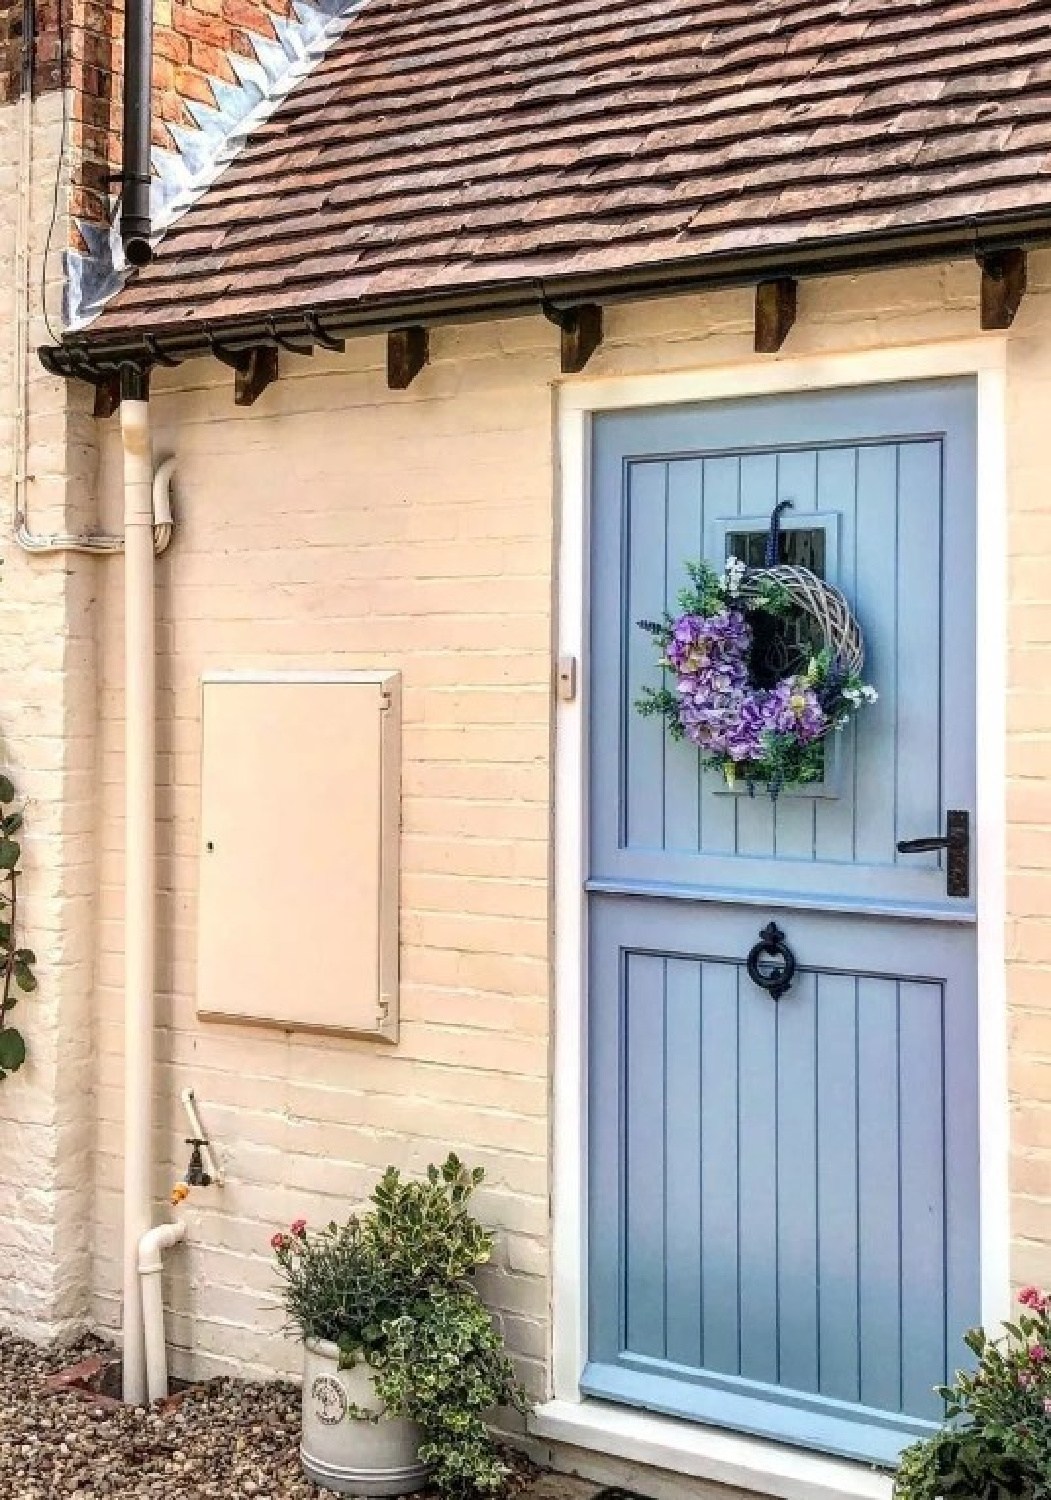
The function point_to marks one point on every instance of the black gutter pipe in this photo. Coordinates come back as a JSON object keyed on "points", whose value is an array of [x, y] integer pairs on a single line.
{"points": [[29, 47], [135, 151], [94, 355]]}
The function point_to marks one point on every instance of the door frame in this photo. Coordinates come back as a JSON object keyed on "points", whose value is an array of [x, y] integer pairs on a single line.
{"points": [[985, 360]]}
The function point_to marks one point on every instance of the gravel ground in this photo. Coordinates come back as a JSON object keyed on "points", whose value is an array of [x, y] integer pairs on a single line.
{"points": [[223, 1441]]}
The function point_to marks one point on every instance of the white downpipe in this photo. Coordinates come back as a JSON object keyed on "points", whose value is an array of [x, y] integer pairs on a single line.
{"points": [[139, 881], [151, 1247]]}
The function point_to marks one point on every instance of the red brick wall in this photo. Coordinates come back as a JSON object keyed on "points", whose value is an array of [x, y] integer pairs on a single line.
{"points": [[192, 41], [46, 51]]}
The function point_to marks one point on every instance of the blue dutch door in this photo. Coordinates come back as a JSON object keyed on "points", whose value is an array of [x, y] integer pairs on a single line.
{"points": [[784, 1193]]}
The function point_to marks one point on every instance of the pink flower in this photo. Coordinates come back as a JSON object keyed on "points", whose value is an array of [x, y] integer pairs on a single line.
{"points": [[1047, 1406], [299, 1229], [279, 1242], [1031, 1296], [1025, 1379], [1038, 1354]]}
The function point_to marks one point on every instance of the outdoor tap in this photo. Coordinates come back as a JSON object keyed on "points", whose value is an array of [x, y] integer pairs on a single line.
{"points": [[196, 1176]]}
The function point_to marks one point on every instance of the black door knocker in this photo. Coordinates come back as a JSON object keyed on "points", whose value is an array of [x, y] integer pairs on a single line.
{"points": [[776, 980]]}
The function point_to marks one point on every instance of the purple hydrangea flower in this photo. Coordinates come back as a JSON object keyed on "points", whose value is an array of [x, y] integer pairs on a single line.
{"points": [[793, 708], [718, 710]]}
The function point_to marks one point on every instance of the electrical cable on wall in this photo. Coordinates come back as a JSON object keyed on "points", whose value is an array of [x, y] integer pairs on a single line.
{"points": [[39, 543], [29, 42]]}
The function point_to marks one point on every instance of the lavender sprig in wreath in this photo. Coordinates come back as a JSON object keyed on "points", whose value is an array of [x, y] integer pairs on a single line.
{"points": [[770, 736]]}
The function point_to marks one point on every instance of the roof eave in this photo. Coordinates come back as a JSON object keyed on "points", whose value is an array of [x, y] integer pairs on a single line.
{"points": [[95, 352]]}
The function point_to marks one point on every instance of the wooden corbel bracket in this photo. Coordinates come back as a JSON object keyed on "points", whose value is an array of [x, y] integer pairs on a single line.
{"points": [[581, 329], [1004, 280], [775, 313], [254, 369], [408, 351]]}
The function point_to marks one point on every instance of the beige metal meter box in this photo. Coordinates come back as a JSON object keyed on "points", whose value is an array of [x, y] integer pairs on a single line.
{"points": [[298, 915]]}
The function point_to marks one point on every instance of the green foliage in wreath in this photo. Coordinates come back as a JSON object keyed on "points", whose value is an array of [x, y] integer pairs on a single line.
{"points": [[751, 732], [392, 1287]]}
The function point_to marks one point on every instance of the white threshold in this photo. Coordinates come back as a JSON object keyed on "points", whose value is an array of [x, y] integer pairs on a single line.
{"points": [[746, 1463]]}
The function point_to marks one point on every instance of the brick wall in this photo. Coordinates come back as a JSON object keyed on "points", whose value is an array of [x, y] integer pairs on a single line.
{"points": [[417, 535], [47, 719], [193, 41], [338, 526]]}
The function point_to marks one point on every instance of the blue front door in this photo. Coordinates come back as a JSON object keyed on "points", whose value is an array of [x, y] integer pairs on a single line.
{"points": [[784, 1203]]}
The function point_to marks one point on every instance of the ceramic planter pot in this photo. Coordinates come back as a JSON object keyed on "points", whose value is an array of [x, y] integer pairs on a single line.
{"points": [[352, 1455]]}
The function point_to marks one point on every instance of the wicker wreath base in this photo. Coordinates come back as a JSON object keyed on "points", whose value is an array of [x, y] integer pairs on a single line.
{"points": [[820, 602]]}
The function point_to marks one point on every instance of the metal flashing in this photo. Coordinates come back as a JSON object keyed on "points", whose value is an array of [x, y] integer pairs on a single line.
{"points": [[96, 273]]}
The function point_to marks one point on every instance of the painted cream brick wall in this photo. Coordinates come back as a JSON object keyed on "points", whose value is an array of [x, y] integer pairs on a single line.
{"points": [[337, 525], [47, 720]]}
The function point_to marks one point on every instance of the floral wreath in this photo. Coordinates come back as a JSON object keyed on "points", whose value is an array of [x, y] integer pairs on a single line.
{"points": [[771, 735]]}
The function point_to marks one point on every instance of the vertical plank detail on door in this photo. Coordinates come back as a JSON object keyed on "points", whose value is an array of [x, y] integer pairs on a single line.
{"points": [[879, 1195], [718, 1150], [645, 1166], [922, 1048], [917, 781], [684, 1003], [797, 1211], [888, 502], [784, 1216], [797, 1151], [837, 1185], [645, 740]]}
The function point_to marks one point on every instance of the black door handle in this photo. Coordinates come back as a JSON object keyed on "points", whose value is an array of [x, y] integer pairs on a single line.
{"points": [[957, 842]]}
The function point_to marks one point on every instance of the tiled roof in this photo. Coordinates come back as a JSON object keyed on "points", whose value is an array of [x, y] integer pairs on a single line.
{"points": [[486, 143]]}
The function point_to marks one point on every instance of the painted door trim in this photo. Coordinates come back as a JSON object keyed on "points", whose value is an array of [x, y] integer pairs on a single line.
{"points": [[985, 360]]}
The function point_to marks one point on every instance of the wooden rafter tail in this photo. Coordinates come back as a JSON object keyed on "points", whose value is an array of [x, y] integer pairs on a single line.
{"points": [[107, 396], [408, 350], [1004, 282], [776, 304], [581, 336]]}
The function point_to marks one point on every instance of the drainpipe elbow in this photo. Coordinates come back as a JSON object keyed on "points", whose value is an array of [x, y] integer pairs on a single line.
{"points": [[163, 522], [154, 1243]]}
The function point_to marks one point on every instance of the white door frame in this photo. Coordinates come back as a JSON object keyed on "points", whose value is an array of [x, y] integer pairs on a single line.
{"points": [[984, 359]]}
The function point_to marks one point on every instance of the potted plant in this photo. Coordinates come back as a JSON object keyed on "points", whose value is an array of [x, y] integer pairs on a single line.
{"points": [[402, 1360], [996, 1444]]}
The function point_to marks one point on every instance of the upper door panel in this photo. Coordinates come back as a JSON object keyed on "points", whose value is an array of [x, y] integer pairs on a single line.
{"points": [[882, 488]]}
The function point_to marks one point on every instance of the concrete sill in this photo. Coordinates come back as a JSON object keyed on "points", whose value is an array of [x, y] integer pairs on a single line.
{"points": [[769, 1469]]}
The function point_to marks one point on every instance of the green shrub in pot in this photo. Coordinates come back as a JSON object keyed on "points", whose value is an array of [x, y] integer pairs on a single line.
{"points": [[996, 1444], [392, 1288]]}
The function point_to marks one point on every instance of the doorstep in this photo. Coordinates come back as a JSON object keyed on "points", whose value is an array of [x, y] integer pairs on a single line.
{"points": [[769, 1469]]}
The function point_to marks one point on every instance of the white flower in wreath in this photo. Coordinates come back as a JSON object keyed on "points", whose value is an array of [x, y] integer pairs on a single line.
{"points": [[733, 576], [859, 695]]}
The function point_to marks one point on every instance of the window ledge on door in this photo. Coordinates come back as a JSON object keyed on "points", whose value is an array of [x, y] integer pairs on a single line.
{"points": [[768, 1469]]}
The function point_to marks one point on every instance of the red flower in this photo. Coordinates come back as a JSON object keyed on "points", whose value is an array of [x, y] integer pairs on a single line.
{"points": [[1033, 1297], [299, 1229], [1038, 1354], [279, 1242]]}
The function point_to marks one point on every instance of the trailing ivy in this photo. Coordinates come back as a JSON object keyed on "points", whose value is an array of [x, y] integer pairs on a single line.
{"points": [[392, 1288], [16, 964]]}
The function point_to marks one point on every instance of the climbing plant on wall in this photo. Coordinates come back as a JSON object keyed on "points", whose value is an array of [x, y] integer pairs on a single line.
{"points": [[16, 964]]}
